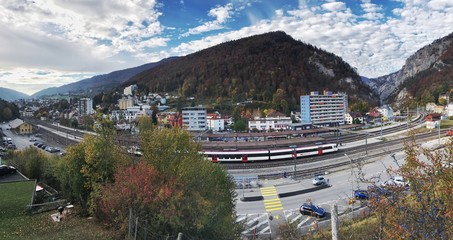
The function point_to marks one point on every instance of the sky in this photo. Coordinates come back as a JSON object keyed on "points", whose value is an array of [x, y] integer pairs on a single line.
{"points": [[49, 43]]}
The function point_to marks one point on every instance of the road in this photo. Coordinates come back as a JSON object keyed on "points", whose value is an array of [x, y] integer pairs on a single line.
{"points": [[261, 216]]}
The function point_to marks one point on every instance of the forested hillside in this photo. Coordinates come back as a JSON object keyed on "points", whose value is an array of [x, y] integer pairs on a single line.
{"points": [[255, 68]]}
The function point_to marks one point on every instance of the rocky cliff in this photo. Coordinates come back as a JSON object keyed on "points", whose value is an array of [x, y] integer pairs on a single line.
{"points": [[425, 69]]}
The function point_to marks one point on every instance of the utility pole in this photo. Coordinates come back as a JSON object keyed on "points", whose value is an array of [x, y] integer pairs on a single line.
{"points": [[439, 130], [381, 128], [294, 159], [352, 186], [366, 144], [334, 221]]}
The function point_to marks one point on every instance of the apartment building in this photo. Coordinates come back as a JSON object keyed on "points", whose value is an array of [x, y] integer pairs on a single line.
{"points": [[270, 122], [125, 103], [85, 106], [194, 118], [328, 109]]}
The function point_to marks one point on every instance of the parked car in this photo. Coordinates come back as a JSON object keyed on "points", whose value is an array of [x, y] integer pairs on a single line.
{"points": [[311, 209], [361, 194], [319, 180], [400, 181], [54, 150], [376, 191], [397, 181], [5, 170]]}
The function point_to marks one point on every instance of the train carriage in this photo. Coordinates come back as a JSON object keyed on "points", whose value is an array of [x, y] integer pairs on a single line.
{"points": [[245, 156]]}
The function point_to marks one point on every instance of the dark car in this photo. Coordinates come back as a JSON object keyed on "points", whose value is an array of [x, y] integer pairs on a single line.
{"points": [[361, 194], [376, 191], [312, 210], [5, 169]]}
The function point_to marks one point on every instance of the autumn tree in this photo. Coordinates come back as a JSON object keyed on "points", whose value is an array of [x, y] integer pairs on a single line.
{"points": [[425, 209], [204, 204], [139, 187], [277, 98], [87, 166]]}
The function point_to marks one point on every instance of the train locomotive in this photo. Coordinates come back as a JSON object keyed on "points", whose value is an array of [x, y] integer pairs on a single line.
{"points": [[244, 156]]}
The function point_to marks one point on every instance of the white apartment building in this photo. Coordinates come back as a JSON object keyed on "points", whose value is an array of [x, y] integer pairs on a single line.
{"points": [[85, 106], [324, 110], [194, 118], [268, 123], [128, 91], [387, 113], [135, 112]]}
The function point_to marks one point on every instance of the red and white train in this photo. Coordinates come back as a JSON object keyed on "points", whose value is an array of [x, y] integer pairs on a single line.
{"points": [[269, 154]]}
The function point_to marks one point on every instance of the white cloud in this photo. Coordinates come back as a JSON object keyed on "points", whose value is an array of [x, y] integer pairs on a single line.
{"points": [[98, 36], [440, 4], [221, 15], [371, 11], [32, 80], [119, 25], [334, 6]]}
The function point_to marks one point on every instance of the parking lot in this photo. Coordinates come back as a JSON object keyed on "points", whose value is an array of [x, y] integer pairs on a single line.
{"points": [[21, 141]]}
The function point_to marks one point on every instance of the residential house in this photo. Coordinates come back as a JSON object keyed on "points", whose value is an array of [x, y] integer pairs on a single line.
{"points": [[352, 117], [215, 122]]}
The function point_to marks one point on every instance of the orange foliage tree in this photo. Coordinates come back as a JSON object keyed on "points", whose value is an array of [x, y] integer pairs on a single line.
{"points": [[424, 208]]}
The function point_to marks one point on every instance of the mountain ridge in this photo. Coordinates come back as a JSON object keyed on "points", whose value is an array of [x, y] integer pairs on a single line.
{"points": [[12, 95], [99, 83], [255, 68]]}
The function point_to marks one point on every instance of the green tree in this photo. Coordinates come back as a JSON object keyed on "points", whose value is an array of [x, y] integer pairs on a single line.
{"points": [[237, 113], [86, 167], [240, 125], [277, 98], [285, 107], [426, 97], [204, 207], [145, 123], [31, 162], [7, 114]]}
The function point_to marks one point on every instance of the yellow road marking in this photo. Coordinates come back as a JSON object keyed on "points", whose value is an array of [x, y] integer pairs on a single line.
{"points": [[273, 204]]}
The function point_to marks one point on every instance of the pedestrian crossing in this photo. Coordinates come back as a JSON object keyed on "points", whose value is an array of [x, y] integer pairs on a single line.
{"points": [[255, 224], [271, 200], [273, 204], [269, 191]]}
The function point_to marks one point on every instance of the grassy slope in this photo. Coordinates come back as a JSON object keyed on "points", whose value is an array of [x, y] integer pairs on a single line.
{"points": [[16, 223]]}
